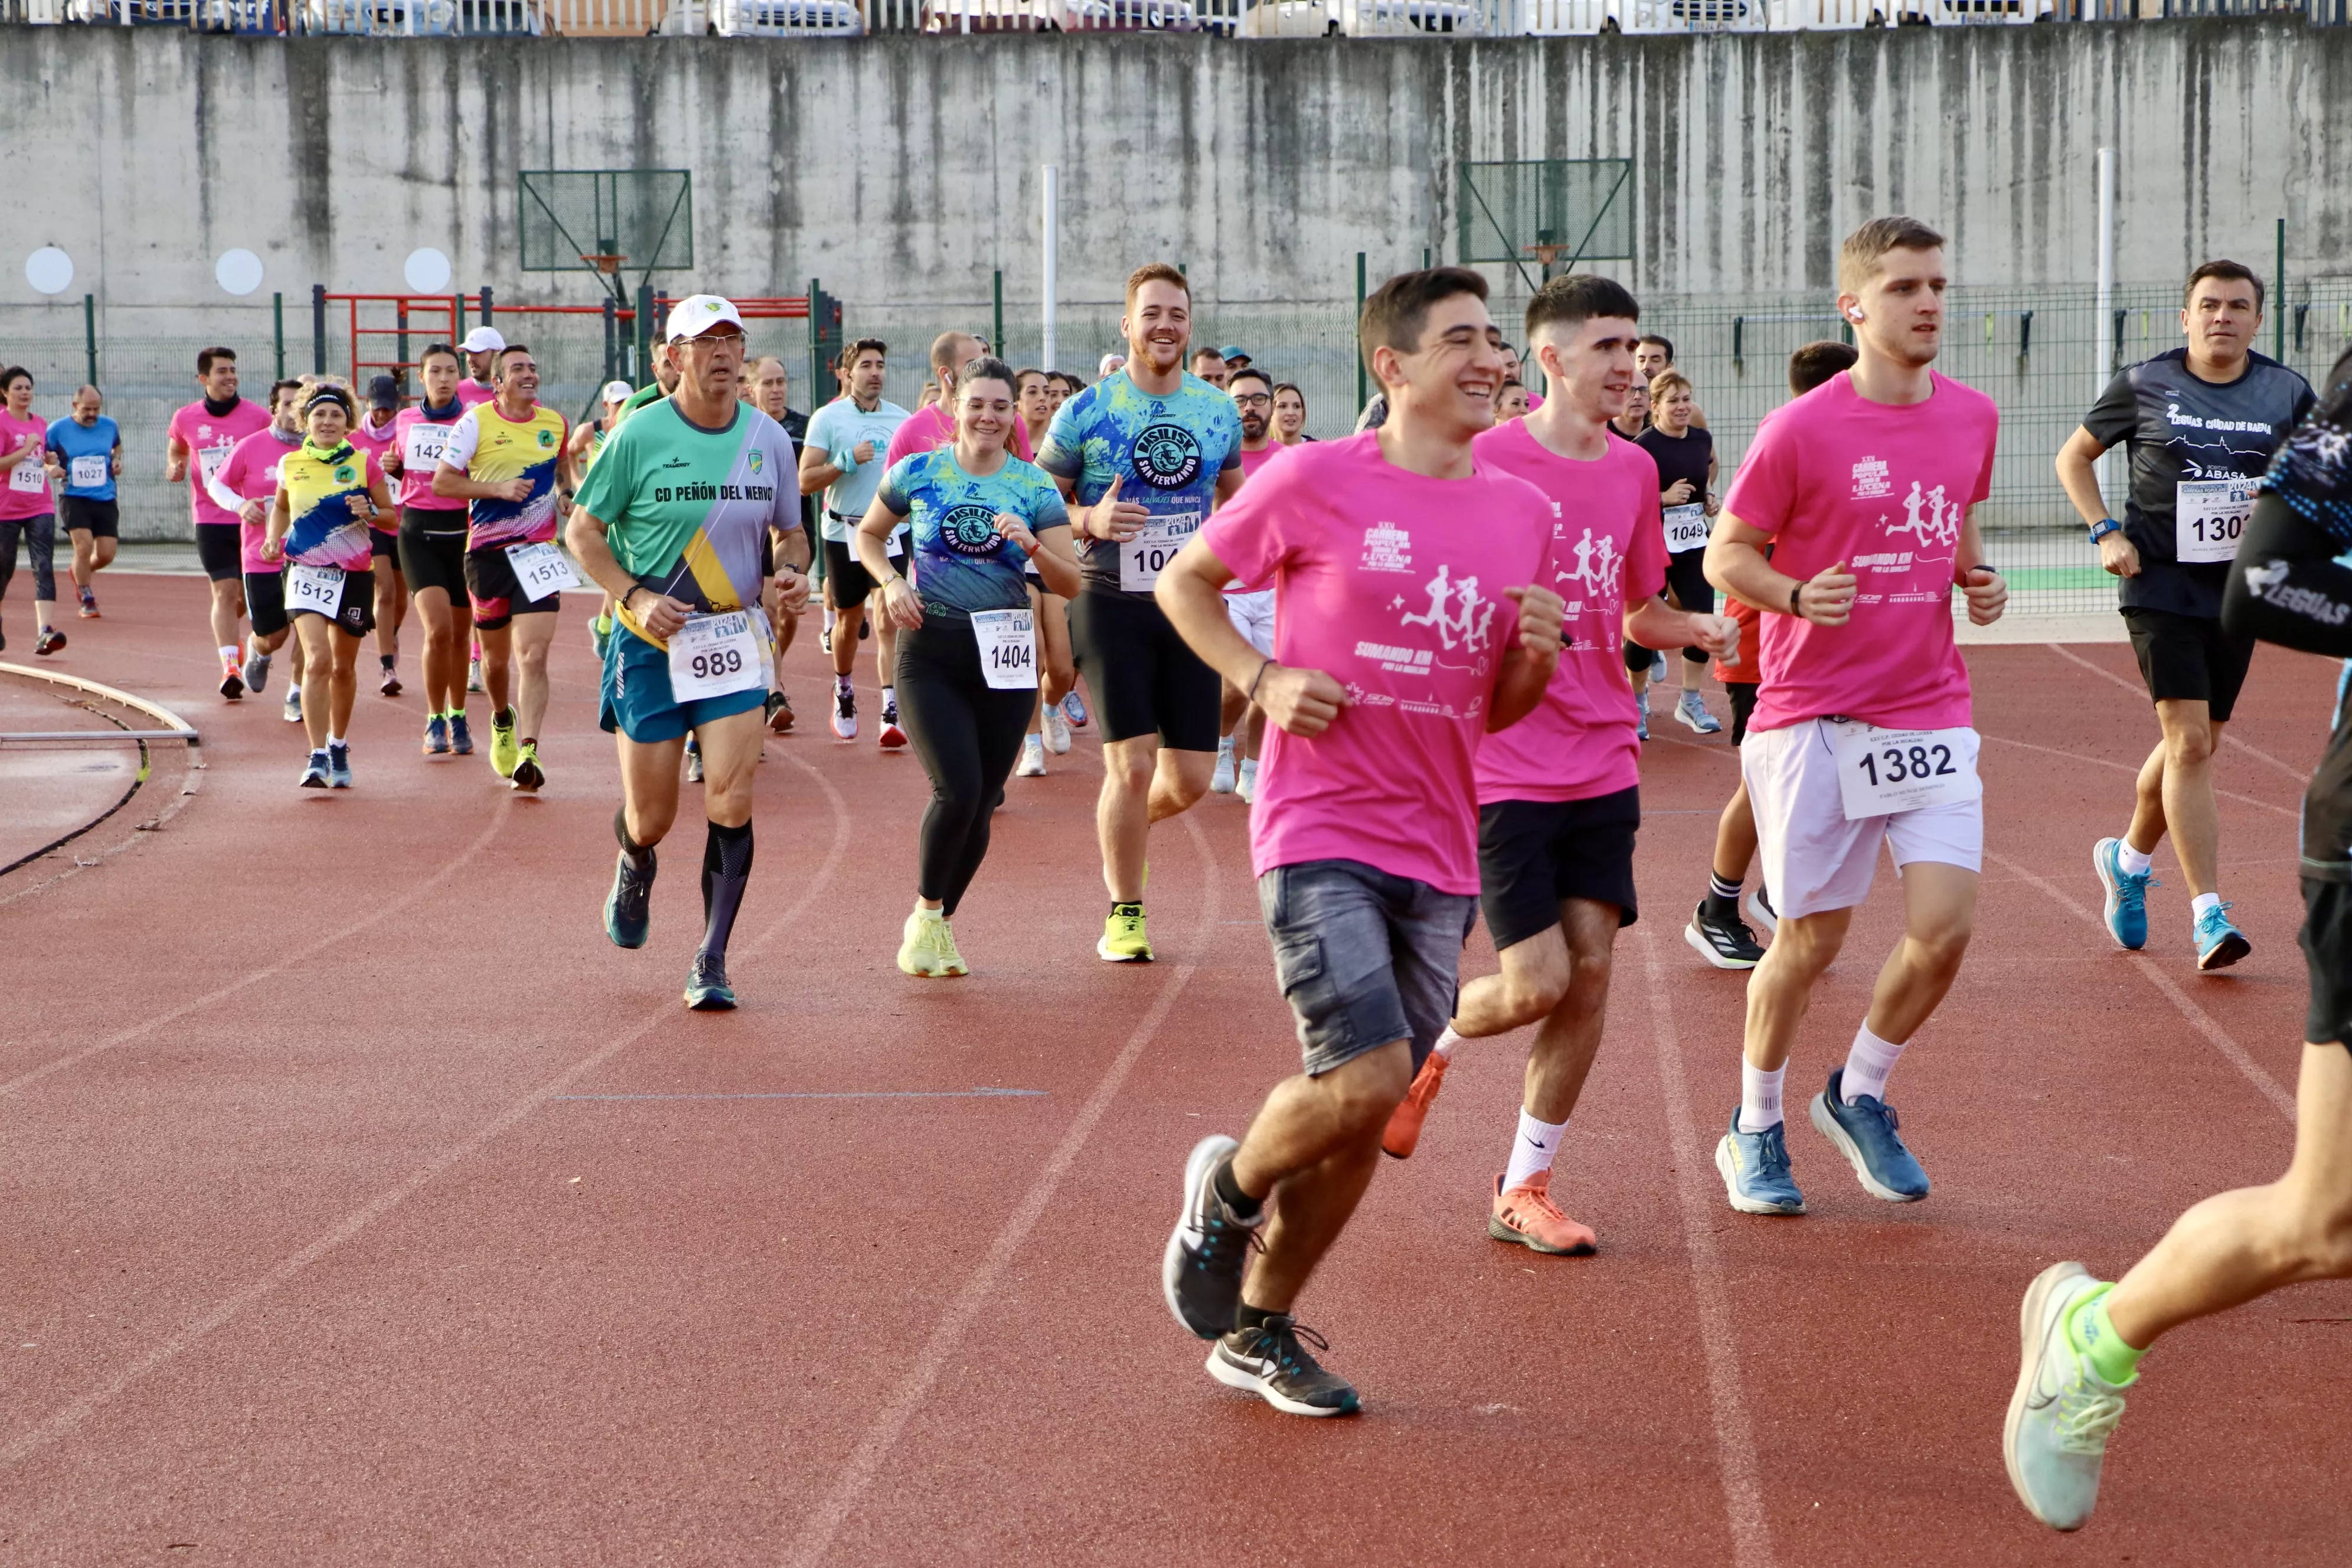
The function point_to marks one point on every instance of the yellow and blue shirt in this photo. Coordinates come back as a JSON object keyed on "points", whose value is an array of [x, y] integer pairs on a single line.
{"points": [[326, 530], [492, 448]]}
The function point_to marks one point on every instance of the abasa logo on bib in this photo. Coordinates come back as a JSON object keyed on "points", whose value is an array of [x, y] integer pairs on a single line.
{"points": [[970, 530], [1167, 457]]}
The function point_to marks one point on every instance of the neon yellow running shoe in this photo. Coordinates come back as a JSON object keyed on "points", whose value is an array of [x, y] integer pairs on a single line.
{"points": [[504, 752], [928, 950], [1124, 939]]}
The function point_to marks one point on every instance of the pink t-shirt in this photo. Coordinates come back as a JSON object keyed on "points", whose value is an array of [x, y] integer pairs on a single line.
{"points": [[25, 488], [1884, 488], [1251, 463], [928, 428], [420, 454], [1391, 583], [1608, 549], [375, 443], [251, 474], [470, 392], [209, 439]]}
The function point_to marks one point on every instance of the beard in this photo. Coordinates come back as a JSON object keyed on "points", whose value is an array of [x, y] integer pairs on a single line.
{"points": [[1253, 427]]}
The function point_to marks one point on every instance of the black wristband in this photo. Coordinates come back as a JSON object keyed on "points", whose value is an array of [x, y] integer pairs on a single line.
{"points": [[1252, 695], [1794, 592]]}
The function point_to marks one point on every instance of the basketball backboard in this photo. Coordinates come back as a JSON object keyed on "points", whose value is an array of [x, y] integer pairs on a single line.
{"points": [[614, 222]]}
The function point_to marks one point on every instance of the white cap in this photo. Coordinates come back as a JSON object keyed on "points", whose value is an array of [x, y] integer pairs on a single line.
{"points": [[1110, 363], [483, 340], [696, 314], [618, 392]]}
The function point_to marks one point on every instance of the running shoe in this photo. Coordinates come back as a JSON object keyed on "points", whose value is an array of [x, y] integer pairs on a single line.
{"points": [[291, 708], [2062, 1412], [231, 684], [1245, 781], [1754, 1170], [1033, 758], [693, 761], [892, 737], [1657, 664], [1641, 715], [49, 642], [1221, 780], [628, 908], [779, 714], [1525, 1215], [844, 714], [315, 775], [1201, 1272], [1866, 1133], [1074, 709], [1726, 944], [1123, 938], [2125, 910], [929, 949], [1056, 729], [256, 672], [390, 685], [338, 765], [461, 737], [504, 752], [1272, 1362], [436, 736], [1691, 709], [527, 774], [474, 675], [1403, 1135], [1761, 915], [89, 605], [2218, 943], [600, 633], [707, 990]]}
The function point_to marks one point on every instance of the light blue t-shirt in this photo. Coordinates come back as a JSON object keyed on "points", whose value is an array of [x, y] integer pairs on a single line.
{"points": [[97, 439], [1169, 449], [835, 430], [961, 562]]}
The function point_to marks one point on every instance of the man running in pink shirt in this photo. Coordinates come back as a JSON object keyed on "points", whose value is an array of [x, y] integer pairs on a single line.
{"points": [[1412, 620], [1865, 487]]}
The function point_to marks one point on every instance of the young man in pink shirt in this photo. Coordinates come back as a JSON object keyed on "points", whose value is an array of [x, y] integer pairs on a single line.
{"points": [[1560, 795], [1413, 621], [196, 443], [1866, 489], [245, 486]]}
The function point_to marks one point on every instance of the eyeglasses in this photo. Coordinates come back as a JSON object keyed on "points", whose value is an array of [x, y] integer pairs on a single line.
{"points": [[1253, 399]]}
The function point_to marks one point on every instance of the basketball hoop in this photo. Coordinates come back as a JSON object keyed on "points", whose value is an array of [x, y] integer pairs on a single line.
{"points": [[606, 263], [1548, 255]]}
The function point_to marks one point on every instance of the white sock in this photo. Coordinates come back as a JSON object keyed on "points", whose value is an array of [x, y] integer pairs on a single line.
{"points": [[2200, 903], [1867, 1065], [1532, 1148], [1224, 745], [228, 654], [1760, 1097], [2132, 862], [828, 618], [1443, 1050], [841, 682], [889, 697], [336, 741]]}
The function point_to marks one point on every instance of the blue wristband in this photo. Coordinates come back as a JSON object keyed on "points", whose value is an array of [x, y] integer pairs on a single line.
{"points": [[2104, 527]]}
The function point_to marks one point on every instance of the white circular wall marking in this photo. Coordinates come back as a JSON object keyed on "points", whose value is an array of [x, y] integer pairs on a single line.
{"points": [[49, 271], [427, 270], [238, 271]]}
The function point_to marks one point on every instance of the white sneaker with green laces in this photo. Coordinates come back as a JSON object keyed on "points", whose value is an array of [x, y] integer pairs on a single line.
{"points": [[2055, 1439]]}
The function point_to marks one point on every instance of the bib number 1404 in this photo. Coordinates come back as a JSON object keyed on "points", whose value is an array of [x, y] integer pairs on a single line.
{"points": [[1008, 648], [1882, 772]]}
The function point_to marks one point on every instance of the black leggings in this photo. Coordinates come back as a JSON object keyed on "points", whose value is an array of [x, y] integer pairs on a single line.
{"points": [[968, 734], [40, 535], [1686, 582]]}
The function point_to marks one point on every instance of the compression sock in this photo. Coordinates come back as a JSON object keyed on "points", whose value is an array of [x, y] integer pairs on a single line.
{"points": [[641, 856], [1443, 1050], [2132, 861], [1722, 894], [1867, 1065], [2093, 1334], [1532, 1148], [1243, 1205], [1760, 1097], [726, 871]]}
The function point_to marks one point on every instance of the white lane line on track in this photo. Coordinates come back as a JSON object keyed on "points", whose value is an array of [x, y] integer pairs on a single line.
{"points": [[841, 1499], [2153, 972], [64, 1421], [2133, 769], [1735, 1438], [2299, 775], [465, 857]]}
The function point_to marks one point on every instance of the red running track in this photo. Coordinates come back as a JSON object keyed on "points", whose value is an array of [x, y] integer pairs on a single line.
{"points": [[363, 1204]]}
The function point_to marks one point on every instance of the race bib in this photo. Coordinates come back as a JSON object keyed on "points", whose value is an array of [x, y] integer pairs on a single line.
{"points": [[28, 475], [713, 656], [1008, 648], [1685, 527], [542, 569], [896, 543], [2209, 516], [88, 473], [1882, 772], [1142, 558], [317, 588], [210, 460], [422, 451]]}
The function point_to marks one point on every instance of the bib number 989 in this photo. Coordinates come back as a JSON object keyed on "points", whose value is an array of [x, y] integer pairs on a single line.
{"points": [[717, 663]]}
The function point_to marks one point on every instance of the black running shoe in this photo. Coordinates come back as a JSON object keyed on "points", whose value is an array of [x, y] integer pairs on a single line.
{"points": [[1727, 943], [1272, 1362], [628, 908], [1201, 1272]]}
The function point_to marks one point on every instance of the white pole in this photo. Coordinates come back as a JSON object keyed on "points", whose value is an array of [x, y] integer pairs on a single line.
{"points": [[1052, 224], [2109, 346]]}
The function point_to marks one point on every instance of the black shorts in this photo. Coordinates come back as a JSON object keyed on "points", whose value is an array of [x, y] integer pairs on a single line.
{"points": [[847, 574], [1534, 855], [2188, 658], [1743, 703], [1691, 593], [356, 614], [497, 597], [265, 602], [220, 547], [100, 519], [2327, 953], [433, 560], [383, 546], [1146, 681]]}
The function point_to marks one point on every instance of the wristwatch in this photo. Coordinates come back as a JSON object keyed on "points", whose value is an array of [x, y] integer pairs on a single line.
{"points": [[2104, 527]]}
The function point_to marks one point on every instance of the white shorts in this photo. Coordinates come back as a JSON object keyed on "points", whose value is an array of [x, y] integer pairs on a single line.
{"points": [[1253, 616], [1813, 858]]}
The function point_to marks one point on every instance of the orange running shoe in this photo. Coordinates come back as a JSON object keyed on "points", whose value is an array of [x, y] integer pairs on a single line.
{"points": [[1403, 1133], [1527, 1214]]}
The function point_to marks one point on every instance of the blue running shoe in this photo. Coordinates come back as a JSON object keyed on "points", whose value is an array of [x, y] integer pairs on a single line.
{"points": [[339, 766], [2218, 943], [461, 739], [1866, 1134], [315, 775], [436, 736], [628, 908], [2127, 905], [1074, 709], [1755, 1167]]}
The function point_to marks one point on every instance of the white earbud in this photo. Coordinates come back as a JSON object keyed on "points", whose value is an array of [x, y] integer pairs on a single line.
{"points": [[1854, 311]]}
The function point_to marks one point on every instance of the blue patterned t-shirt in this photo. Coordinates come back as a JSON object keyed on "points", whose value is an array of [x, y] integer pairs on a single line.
{"points": [[1169, 449], [960, 564]]}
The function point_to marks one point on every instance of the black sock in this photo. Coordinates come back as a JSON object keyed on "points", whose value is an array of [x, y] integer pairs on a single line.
{"points": [[726, 870], [386, 659], [1722, 896], [1249, 1317], [1243, 1205], [641, 856]]}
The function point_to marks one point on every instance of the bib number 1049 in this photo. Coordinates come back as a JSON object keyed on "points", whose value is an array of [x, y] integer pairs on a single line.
{"points": [[1882, 772]]}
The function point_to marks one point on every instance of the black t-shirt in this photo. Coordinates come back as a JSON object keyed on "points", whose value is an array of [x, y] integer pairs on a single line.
{"points": [[2180, 428], [795, 424], [1683, 457]]}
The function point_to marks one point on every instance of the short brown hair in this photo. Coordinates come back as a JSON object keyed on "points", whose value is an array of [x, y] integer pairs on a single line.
{"points": [[1574, 297], [2228, 271], [1398, 310], [1665, 380], [849, 352], [1816, 363], [1156, 272], [204, 358], [1860, 257]]}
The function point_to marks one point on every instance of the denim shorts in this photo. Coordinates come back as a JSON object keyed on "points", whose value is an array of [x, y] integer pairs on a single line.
{"points": [[1363, 957]]}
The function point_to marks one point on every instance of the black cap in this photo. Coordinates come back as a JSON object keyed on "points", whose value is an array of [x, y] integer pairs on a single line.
{"points": [[384, 392]]}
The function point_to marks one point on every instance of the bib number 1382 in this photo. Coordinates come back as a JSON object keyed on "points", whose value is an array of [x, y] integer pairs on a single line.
{"points": [[1882, 772]]}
